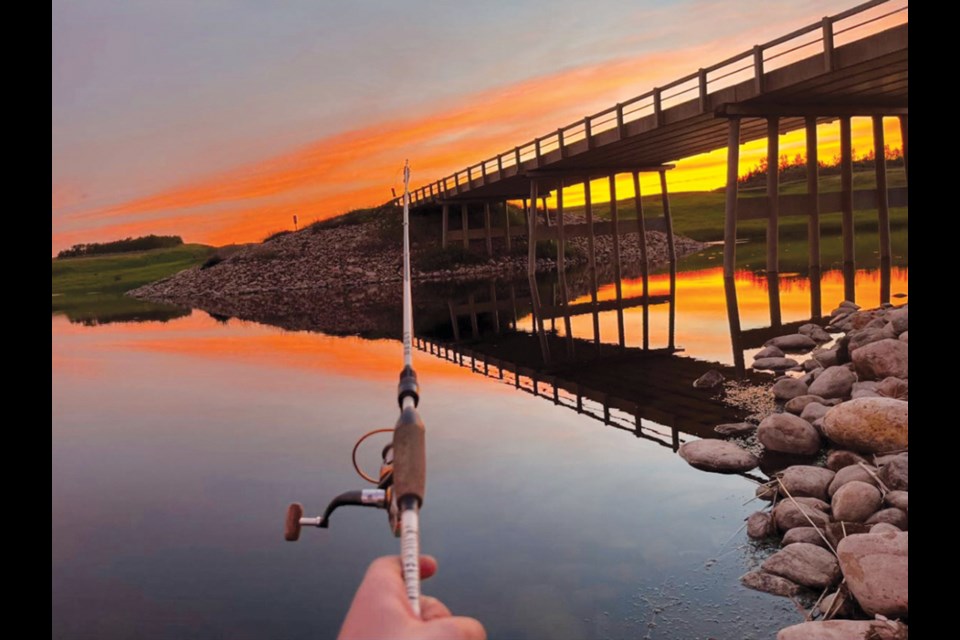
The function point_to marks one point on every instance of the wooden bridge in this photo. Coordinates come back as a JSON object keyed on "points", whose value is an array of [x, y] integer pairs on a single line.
{"points": [[851, 64]]}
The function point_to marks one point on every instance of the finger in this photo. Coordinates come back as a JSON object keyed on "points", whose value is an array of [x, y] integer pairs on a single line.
{"points": [[428, 566], [460, 628], [431, 609]]}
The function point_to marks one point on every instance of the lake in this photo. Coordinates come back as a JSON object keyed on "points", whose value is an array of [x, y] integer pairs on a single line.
{"points": [[178, 444]]}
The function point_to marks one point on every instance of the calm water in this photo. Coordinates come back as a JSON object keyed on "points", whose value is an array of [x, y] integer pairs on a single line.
{"points": [[177, 446]]}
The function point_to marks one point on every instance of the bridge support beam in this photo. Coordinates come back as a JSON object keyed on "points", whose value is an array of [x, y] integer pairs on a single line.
{"points": [[846, 209], [644, 260], [617, 273], [773, 195], [465, 225], [730, 209], [532, 230], [883, 205], [667, 218], [561, 241], [445, 225], [903, 137], [506, 226], [486, 228], [813, 227]]}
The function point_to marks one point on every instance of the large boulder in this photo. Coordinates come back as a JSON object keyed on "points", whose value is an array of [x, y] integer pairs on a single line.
{"points": [[868, 335], [893, 473], [787, 433], [760, 525], [855, 502], [826, 357], [810, 535], [769, 583], [853, 473], [875, 568], [897, 499], [845, 630], [898, 320], [768, 352], [805, 564], [774, 364], [717, 455], [833, 382], [815, 332], [872, 425], [800, 512], [796, 405], [881, 359], [788, 388], [840, 458], [893, 388], [793, 343], [890, 515], [807, 480]]}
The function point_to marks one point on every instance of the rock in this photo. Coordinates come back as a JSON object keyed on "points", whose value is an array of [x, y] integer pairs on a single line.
{"points": [[836, 604], [883, 527], [788, 389], [893, 388], [769, 352], [769, 583], [890, 515], [815, 332], [902, 337], [865, 389], [788, 433], [898, 318], [774, 364], [893, 474], [813, 412], [760, 525], [789, 514], [845, 630], [840, 458], [735, 429], [871, 425], [793, 343], [803, 534], [868, 335], [881, 359], [897, 499], [807, 480], [855, 502], [806, 564], [810, 376], [767, 491], [837, 531], [796, 405], [717, 455], [875, 568], [710, 380], [810, 365], [848, 304], [833, 382], [852, 473], [827, 358]]}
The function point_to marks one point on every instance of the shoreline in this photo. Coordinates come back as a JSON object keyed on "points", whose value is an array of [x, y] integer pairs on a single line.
{"points": [[831, 434]]}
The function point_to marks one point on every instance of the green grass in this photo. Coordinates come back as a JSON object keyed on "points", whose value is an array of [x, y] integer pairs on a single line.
{"points": [[90, 289]]}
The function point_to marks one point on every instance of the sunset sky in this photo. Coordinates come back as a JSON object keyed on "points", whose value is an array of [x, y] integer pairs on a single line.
{"points": [[219, 120]]}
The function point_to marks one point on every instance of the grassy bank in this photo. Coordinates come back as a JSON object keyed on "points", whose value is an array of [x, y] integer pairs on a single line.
{"points": [[90, 289]]}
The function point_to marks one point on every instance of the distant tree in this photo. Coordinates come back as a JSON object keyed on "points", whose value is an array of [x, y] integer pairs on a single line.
{"points": [[143, 243]]}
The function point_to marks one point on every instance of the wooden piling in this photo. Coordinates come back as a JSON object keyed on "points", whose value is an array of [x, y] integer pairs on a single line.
{"points": [[486, 228], [465, 225], [445, 226], [641, 228], [667, 217], [883, 202], [532, 231], [506, 225], [903, 137], [561, 243], [813, 191], [615, 220], [474, 325], [733, 318], [846, 204], [730, 208], [496, 308], [773, 194]]}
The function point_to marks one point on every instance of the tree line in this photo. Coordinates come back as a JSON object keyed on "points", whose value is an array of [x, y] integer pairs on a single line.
{"points": [[126, 245], [796, 168]]}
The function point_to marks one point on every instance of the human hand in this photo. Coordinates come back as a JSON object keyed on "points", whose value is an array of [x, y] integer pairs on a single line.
{"points": [[380, 609]]}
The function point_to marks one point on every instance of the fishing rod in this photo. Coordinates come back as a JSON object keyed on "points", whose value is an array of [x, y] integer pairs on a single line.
{"points": [[403, 470]]}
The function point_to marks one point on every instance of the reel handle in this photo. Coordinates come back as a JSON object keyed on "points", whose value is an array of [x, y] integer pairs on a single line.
{"points": [[291, 529]]}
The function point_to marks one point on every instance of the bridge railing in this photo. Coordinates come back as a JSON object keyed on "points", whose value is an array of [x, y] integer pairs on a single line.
{"points": [[819, 38]]}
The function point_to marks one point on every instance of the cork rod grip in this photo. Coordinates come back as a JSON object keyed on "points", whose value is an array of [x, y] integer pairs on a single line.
{"points": [[409, 456]]}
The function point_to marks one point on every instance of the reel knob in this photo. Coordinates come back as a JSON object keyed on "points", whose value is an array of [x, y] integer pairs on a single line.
{"points": [[291, 529]]}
